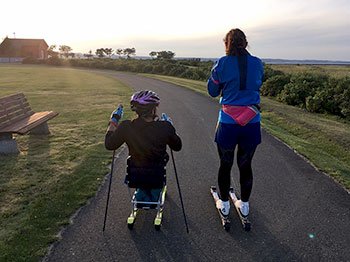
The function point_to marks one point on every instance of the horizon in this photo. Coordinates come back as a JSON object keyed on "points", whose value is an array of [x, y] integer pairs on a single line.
{"points": [[313, 30]]}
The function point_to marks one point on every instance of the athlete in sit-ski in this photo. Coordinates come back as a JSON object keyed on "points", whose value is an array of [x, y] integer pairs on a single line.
{"points": [[146, 137], [237, 78]]}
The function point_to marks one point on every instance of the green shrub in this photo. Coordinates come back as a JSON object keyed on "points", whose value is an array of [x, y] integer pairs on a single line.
{"points": [[158, 69], [333, 98], [274, 85], [122, 67], [201, 73], [269, 72], [139, 68], [167, 68], [147, 69], [177, 70], [55, 61], [313, 104], [301, 86], [343, 96], [30, 60], [188, 73]]}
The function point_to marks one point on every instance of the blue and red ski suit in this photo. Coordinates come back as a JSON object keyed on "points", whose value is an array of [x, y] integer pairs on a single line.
{"points": [[237, 79]]}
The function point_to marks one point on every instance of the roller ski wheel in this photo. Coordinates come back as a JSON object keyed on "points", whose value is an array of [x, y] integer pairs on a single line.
{"points": [[247, 226], [158, 220], [225, 221], [159, 217], [227, 225], [244, 220], [131, 219], [130, 226]]}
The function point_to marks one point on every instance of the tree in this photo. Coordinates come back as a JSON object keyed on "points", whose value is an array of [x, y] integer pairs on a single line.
{"points": [[65, 50], [153, 54], [165, 55], [108, 51], [129, 51], [51, 51], [119, 52], [89, 55], [100, 52]]}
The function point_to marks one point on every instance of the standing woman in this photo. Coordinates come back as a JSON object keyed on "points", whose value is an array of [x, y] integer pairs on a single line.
{"points": [[237, 78]]}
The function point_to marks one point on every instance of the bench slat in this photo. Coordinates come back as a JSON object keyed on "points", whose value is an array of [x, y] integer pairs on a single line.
{"points": [[12, 97], [17, 109], [9, 105], [13, 108], [20, 99], [24, 125], [38, 122], [14, 118], [14, 104], [19, 112], [6, 112]]}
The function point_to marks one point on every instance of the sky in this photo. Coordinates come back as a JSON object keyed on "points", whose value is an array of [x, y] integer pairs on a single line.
{"points": [[297, 29]]}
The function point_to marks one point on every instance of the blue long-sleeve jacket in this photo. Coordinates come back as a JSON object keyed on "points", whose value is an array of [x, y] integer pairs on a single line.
{"points": [[226, 80]]}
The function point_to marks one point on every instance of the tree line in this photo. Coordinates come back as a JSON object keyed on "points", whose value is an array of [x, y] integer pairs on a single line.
{"points": [[66, 52], [316, 91]]}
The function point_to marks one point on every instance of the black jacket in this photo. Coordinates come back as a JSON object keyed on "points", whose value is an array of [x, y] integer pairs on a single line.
{"points": [[146, 141]]}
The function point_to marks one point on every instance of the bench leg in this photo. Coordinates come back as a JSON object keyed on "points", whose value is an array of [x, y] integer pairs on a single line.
{"points": [[42, 129], [7, 144]]}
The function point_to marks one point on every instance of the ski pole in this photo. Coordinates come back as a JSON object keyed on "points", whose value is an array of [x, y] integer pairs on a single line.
{"points": [[178, 187], [109, 190]]}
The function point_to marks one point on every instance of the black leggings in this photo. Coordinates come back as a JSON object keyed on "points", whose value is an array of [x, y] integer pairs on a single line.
{"points": [[244, 161]]}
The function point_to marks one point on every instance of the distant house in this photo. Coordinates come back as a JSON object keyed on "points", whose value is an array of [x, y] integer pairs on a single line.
{"points": [[15, 49]]}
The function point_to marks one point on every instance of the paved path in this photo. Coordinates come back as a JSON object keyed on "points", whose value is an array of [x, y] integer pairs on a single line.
{"points": [[297, 213]]}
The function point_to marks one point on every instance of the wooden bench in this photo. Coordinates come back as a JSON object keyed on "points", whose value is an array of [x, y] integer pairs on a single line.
{"points": [[16, 117]]}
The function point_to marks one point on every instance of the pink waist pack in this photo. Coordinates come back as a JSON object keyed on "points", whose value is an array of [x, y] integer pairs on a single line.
{"points": [[241, 114]]}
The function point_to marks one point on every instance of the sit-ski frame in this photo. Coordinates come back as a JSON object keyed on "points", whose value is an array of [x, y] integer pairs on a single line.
{"points": [[159, 205]]}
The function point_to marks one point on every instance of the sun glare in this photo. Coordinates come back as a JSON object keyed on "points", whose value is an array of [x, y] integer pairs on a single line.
{"points": [[161, 19]]}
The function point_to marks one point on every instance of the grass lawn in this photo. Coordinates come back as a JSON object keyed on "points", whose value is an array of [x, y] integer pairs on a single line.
{"points": [[322, 139], [56, 174]]}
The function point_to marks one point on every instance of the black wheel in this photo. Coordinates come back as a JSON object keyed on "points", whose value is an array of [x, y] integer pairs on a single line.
{"points": [[157, 227], [227, 226], [130, 226], [247, 227]]}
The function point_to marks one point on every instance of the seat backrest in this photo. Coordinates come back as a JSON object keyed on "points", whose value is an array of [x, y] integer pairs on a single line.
{"points": [[137, 177], [13, 108]]}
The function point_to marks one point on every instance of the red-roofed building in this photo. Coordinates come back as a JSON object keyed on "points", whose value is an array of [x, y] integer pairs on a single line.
{"points": [[15, 49]]}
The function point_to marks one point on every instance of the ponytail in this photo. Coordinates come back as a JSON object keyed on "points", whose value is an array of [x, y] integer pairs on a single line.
{"points": [[236, 43]]}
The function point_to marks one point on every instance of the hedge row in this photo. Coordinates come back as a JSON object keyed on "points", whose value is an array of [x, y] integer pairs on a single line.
{"points": [[316, 92], [177, 68]]}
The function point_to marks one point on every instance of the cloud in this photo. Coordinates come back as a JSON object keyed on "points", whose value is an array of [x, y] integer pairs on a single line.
{"points": [[303, 39], [299, 29]]}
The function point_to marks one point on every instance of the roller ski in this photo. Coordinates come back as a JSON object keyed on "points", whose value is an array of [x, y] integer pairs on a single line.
{"points": [[242, 210], [224, 217], [146, 205]]}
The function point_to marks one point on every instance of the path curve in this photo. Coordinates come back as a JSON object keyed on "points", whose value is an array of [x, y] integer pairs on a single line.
{"points": [[297, 213]]}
